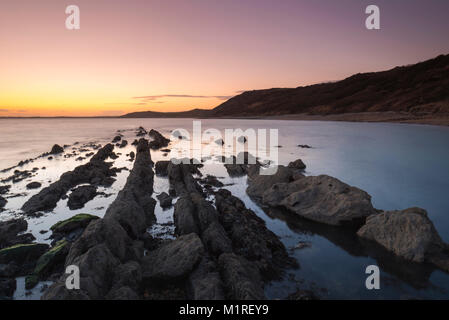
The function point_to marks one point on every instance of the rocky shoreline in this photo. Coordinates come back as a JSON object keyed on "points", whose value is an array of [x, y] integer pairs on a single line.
{"points": [[221, 250]]}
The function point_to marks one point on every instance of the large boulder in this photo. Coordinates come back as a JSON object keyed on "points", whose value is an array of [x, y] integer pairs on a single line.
{"points": [[322, 199], [407, 233], [174, 260]]}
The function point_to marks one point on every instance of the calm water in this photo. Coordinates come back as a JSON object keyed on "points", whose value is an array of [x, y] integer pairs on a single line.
{"points": [[399, 165]]}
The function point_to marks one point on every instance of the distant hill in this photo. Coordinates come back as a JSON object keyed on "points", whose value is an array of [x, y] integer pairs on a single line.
{"points": [[422, 88]]}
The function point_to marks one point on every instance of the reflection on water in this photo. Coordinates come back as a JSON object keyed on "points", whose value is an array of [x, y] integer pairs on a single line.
{"points": [[399, 165]]}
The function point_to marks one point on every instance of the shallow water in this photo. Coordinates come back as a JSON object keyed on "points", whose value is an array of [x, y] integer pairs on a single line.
{"points": [[399, 165]]}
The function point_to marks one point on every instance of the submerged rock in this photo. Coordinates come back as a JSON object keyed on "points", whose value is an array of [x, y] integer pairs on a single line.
{"points": [[407, 233], [80, 196]]}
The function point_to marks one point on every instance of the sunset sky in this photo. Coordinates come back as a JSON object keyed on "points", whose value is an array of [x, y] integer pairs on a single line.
{"points": [[174, 55]]}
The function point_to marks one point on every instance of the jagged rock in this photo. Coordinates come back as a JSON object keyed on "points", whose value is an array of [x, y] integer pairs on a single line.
{"points": [[250, 237], [159, 141], [34, 185], [56, 149], [102, 231], [174, 260], [181, 178], [322, 199], [407, 233], [134, 207], [9, 231], [161, 168], [80, 196], [297, 164], [96, 172], [164, 200], [241, 279]]}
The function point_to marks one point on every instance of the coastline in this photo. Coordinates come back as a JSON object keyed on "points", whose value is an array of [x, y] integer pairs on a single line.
{"points": [[388, 117]]}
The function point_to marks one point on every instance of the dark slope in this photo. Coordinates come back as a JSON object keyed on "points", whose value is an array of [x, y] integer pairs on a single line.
{"points": [[421, 88]]}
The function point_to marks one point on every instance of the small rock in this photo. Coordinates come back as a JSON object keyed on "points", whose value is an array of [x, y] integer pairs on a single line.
{"points": [[164, 200], [56, 149], [34, 185]]}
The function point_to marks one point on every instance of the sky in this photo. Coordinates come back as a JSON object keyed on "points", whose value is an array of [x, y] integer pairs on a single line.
{"points": [[175, 55]]}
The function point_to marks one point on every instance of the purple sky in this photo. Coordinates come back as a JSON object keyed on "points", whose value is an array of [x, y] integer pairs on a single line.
{"points": [[195, 53]]}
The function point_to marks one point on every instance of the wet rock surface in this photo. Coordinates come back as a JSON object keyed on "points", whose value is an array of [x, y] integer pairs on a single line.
{"points": [[95, 172], [159, 141], [80, 196], [110, 248]]}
